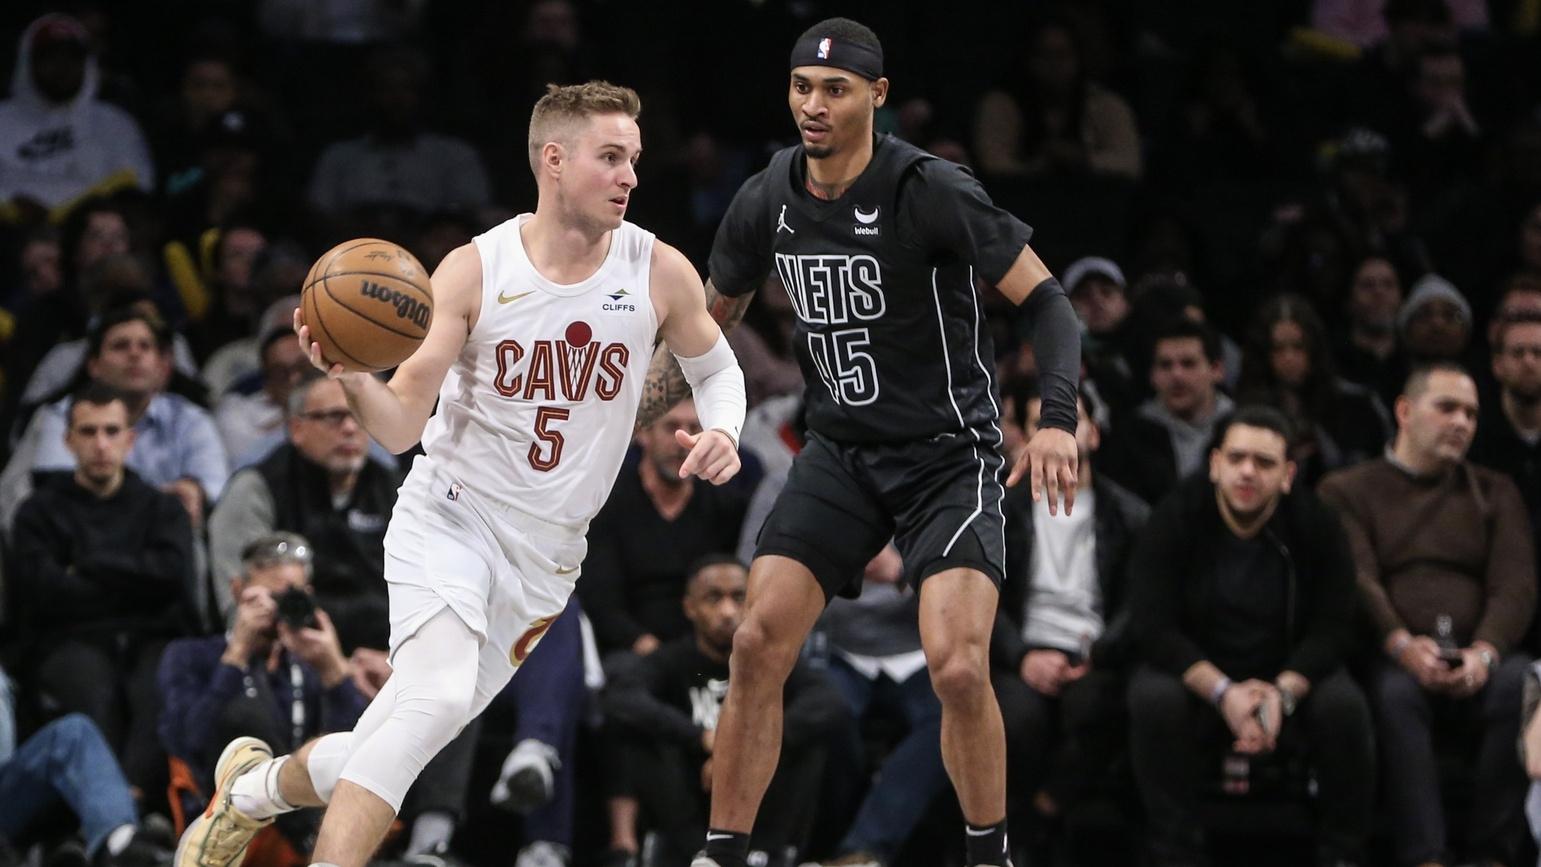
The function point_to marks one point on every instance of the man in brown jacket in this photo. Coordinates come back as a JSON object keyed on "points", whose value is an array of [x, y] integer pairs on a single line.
{"points": [[1443, 554]]}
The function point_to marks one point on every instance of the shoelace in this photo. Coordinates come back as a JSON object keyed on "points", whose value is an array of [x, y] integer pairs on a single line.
{"points": [[228, 835]]}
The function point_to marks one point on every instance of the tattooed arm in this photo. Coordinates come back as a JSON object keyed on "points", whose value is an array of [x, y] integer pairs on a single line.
{"points": [[665, 385]]}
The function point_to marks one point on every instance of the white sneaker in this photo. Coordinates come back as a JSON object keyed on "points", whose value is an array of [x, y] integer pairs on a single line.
{"points": [[703, 861], [219, 835], [542, 854], [528, 778]]}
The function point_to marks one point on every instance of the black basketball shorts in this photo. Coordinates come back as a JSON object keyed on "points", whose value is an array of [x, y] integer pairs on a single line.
{"points": [[939, 499]]}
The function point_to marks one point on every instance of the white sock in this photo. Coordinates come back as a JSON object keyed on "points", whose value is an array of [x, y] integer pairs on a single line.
{"points": [[431, 829], [119, 838], [255, 793]]}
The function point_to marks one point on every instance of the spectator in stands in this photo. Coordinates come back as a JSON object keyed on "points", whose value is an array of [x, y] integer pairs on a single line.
{"points": [[1243, 600], [1528, 243], [209, 87], [397, 162], [539, 777], [1100, 295], [1435, 321], [1168, 436], [666, 709], [1048, 118], [278, 674], [252, 425], [1060, 640], [175, 445], [1446, 571], [1509, 435], [68, 761], [321, 485], [1288, 367], [58, 141], [1435, 134], [1520, 295], [652, 528], [1367, 349], [103, 569]]}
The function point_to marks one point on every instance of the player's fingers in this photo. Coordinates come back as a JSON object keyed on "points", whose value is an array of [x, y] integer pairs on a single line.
{"points": [[1051, 482], [1067, 484], [686, 439], [722, 469], [1017, 468], [298, 324], [1035, 477]]}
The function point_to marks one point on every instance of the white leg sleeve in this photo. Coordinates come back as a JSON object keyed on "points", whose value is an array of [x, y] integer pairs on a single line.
{"points": [[431, 690]]}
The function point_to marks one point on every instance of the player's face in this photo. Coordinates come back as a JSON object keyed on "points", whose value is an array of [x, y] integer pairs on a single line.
{"points": [[833, 108], [326, 431], [1184, 379], [99, 437], [1251, 469], [1517, 363], [715, 604], [599, 171]]}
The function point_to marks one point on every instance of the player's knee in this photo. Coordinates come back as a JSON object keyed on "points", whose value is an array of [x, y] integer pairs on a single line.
{"points": [[960, 677], [761, 651], [443, 705]]}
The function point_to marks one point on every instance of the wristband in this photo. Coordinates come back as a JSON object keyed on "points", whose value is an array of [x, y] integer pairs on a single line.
{"points": [[1218, 691]]}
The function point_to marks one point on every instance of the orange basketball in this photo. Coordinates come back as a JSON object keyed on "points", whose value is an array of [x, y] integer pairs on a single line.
{"points": [[368, 303]]}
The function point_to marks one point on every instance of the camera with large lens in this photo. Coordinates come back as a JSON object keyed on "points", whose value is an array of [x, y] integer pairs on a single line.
{"points": [[297, 608]]}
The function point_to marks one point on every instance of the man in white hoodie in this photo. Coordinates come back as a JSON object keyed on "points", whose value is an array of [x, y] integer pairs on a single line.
{"points": [[57, 140]]}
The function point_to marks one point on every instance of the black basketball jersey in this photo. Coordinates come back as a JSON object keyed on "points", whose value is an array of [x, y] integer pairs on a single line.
{"points": [[890, 333]]}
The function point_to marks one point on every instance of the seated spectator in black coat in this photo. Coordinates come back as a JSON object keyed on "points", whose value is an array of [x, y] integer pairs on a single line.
{"points": [[103, 570], [666, 709], [1059, 638], [1243, 604]]}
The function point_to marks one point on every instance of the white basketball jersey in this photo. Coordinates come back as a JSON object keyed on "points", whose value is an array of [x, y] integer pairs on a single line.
{"points": [[537, 412]]}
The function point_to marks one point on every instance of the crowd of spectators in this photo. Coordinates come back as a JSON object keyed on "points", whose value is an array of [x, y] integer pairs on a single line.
{"points": [[1296, 599]]}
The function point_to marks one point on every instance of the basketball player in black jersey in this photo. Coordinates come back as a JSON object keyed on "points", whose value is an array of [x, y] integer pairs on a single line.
{"points": [[878, 244]]}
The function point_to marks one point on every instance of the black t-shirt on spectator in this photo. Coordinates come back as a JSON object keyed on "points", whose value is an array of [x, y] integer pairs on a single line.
{"points": [[1248, 637]]}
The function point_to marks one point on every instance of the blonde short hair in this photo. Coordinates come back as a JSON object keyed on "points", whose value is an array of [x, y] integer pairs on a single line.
{"points": [[555, 112]]}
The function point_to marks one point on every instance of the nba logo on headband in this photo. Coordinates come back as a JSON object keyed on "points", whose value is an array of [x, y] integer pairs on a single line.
{"points": [[824, 48]]}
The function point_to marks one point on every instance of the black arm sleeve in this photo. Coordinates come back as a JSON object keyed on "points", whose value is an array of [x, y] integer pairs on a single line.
{"points": [[1049, 323], [741, 252]]}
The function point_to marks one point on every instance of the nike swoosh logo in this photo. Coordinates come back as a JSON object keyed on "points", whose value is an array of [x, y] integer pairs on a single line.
{"points": [[566, 570], [865, 219], [504, 299]]}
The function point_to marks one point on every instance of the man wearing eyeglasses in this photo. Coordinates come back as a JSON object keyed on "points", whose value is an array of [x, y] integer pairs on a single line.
{"points": [[278, 672], [321, 485]]}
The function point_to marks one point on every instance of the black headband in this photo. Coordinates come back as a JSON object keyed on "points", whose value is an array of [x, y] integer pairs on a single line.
{"points": [[839, 53]]}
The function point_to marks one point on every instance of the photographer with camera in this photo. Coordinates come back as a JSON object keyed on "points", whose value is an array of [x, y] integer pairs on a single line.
{"points": [[278, 674]]}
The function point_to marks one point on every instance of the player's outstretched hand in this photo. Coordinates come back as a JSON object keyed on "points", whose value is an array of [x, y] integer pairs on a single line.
{"points": [[713, 456], [1050, 460], [312, 349]]}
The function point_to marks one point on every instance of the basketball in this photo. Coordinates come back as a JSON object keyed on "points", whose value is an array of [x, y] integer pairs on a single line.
{"points": [[368, 303]]}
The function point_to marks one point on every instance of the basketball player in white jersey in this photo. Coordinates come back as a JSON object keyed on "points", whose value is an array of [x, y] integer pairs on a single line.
{"points": [[542, 333]]}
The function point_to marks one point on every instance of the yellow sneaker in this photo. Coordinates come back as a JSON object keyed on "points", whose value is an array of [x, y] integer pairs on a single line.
{"points": [[218, 837]]}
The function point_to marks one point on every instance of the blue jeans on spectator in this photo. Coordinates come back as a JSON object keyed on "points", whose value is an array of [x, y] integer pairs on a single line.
{"points": [[911, 775], [548, 693], [66, 760]]}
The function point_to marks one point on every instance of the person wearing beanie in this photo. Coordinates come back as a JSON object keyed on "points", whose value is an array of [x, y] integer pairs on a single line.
{"points": [[1435, 321]]}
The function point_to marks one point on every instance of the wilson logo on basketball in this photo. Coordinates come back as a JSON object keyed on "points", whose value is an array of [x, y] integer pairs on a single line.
{"points": [[407, 308]]}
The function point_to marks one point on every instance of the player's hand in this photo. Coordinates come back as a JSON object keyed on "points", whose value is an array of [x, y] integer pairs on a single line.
{"points": [[713, 456], [312, 349], [1051, 460]]}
